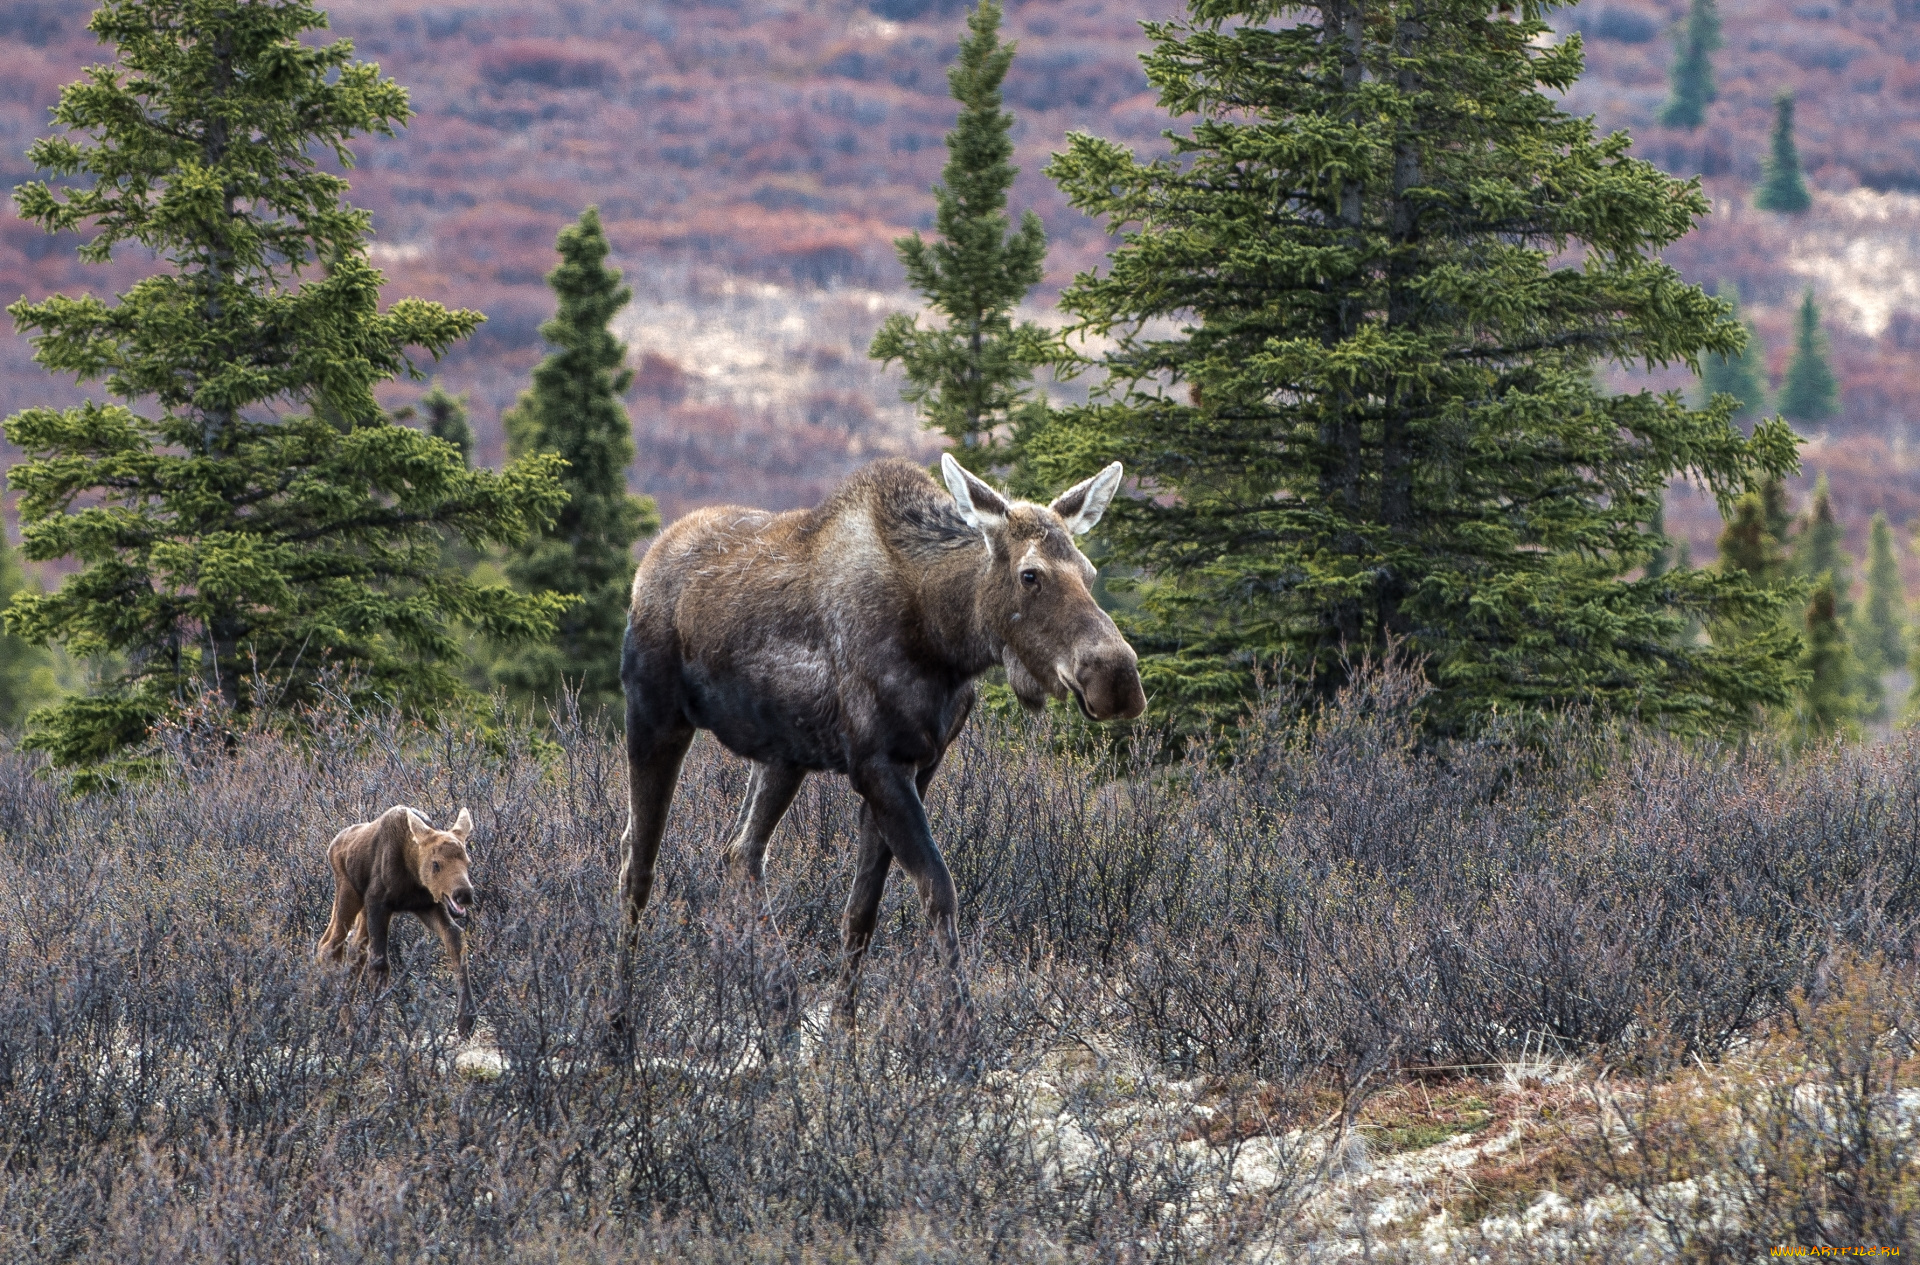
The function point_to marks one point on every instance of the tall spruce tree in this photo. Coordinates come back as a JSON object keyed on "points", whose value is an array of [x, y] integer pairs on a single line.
{"points": [[971, 376], [573, 410], [26, 670], [224, 535], [1742, 375], [1782, 187], [1690, 79], [1883, 631], [1808, 393], [1375, 420]]}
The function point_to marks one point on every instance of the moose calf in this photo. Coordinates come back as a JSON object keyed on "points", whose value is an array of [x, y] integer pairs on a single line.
{"points": [[397, 863]]}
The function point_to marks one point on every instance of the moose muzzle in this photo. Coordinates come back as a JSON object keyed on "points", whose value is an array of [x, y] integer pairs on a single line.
{"points": [[1105, 680]]}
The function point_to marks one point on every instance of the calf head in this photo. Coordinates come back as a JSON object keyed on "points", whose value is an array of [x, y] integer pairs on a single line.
{"points": [[1035, 600], [441, 864]]}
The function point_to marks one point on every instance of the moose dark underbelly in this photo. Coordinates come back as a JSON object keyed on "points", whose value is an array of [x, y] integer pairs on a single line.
{"points": [[770, 727], [819, 731]]}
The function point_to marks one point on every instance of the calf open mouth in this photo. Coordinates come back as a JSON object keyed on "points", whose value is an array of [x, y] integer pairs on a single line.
{"points": [[455, 909]]}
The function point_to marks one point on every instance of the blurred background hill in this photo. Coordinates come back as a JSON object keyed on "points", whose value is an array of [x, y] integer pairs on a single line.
{"points": [[753, 163]]}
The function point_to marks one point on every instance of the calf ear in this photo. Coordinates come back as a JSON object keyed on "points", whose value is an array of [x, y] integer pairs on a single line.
{"points": [[982, 507], [417, 828], [462, 825], [1082, 504]]}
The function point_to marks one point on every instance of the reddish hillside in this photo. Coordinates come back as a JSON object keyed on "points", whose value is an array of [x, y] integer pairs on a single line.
{"points": [[754, 162]]}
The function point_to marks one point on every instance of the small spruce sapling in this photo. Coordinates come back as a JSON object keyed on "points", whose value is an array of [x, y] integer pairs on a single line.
{"points": [[1690, 88], [574, 411], [1782, 187], [1809, 392], [1883, 635], [1741, 374], [972, 376]]}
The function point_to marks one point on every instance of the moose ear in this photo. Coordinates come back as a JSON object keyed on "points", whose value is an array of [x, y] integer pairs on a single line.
{"points": [[462, 826], [980, 505], [417, 828], [1082, 504]]}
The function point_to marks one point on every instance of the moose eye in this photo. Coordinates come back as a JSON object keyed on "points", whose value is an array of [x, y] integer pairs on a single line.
{"points": [[436, 867], [1029, 577]]}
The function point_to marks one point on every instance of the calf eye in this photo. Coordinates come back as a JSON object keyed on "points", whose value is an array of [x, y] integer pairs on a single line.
{"points": [[436, 867], [1029, 577]]}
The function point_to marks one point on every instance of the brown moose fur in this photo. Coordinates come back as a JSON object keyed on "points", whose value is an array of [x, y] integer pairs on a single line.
{"points": [[394, 864], [846, 638]]}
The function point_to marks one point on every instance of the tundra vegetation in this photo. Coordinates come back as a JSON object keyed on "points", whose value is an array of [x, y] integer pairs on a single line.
{"points": [[1188, 978]]}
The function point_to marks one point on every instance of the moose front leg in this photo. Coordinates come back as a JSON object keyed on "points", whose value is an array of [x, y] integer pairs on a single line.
{"points": [[891, 791], [862, 912]]}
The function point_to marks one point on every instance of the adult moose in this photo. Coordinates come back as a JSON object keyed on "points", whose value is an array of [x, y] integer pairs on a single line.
{"points": [[847, 638]]}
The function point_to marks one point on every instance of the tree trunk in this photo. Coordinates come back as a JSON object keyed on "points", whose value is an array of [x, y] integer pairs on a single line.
{"points": [[1403, 227]]}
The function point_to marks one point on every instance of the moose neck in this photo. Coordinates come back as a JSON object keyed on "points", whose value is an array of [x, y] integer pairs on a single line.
{"points": [[953, 589]]}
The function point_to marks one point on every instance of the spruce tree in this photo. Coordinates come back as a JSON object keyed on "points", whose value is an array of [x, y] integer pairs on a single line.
{"points": [[1660, 561], [444, 416], [1883, 633], [1819, 549], [247, 515], [1352, 359], [1743, 374], [573, 410], [1782, 187], [971, 375], [26, 670], [1752, 552], [1748, 544], [1829, 702], [1777, 504], [1691, 89], [1820, 558], [1808, 393]]}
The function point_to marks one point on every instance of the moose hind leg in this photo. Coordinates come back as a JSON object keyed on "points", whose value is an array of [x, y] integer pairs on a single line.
{"points": [[653, 767], [770, 793]]}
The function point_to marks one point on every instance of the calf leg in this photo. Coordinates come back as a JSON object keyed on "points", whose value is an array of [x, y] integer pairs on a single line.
{"points": [[456, 942], [346, 913], [379, 921]]}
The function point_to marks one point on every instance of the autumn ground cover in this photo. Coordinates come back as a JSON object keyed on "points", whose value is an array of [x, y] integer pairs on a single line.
{"points": [[1341, 992]]}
